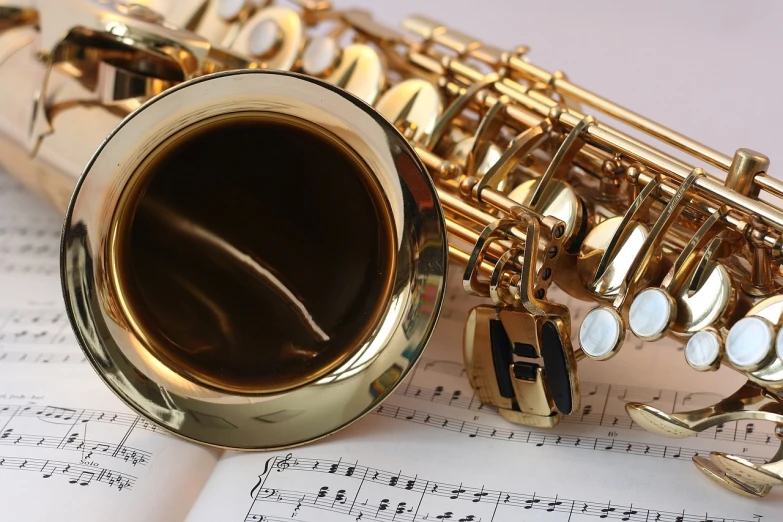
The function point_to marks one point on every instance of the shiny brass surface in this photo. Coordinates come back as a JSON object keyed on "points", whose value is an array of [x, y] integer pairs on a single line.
{"points": [[416, 103], [560, 201], [255, 257], [606, 284]]}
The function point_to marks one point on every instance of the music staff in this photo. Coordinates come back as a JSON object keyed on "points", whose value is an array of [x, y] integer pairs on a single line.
{"points": [[300, 489], [29, 244], [60, 415], [77, 474], [519, 434], [84, 445], [598, 401], [32, 247], [42, 357], [88, 448], [35, 327]]}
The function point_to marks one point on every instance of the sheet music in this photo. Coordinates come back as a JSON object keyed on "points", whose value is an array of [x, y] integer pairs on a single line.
{"points": [[70, 450], [434, 452]]}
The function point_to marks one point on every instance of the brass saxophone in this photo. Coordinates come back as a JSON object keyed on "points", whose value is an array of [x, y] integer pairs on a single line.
{"points": [[255, 256]]}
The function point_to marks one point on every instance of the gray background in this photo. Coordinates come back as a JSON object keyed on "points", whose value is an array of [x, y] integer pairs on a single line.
{"points": [[709, 69]]}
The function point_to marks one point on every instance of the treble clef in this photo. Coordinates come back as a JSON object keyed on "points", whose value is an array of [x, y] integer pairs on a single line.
{"points": [[283, 464]]}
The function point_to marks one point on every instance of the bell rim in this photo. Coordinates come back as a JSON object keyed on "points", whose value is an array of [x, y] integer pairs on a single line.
{"points": [[82, 301]]}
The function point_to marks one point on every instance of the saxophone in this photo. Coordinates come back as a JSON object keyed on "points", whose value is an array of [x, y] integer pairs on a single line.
{"points": [[255, 256]]}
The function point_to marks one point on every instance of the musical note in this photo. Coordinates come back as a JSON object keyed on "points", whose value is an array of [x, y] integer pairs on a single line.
{"points": [[84, 478], [530, 503], [57, 413], [607, 510], [552, 505]]}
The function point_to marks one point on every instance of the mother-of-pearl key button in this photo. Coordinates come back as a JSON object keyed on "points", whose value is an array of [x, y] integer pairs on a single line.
{"points": [[703, 350], [650, 314], [749, 343], [230, 9], [320, 56], [601, 333], [265, 37], [779, 344]]}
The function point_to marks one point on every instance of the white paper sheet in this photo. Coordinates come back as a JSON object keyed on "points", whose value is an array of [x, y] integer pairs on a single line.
{"points": [[69, 449]]}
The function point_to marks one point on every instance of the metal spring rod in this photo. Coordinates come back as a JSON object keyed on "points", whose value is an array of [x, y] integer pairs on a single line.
{"points": [[462, 257], [562, 86], [770, 184], [471, 237]]}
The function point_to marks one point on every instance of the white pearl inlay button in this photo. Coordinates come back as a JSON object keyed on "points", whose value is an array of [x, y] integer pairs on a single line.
{"points": [[230, 9], [779, 344], [319, 55], [749, 342], [600, 333], [264, 37], [703, 350], [650, 313]]}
